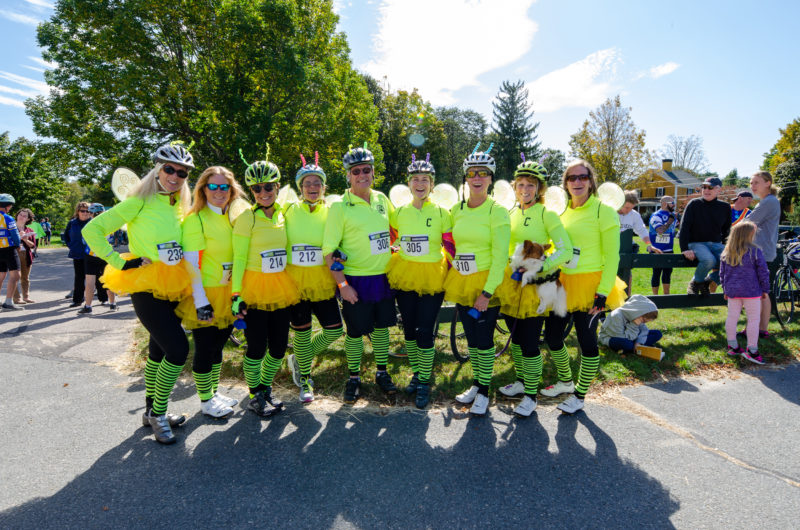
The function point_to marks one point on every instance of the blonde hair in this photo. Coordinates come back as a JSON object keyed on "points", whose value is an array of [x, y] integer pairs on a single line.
{"points": [[767, 176], [200, 200], [740, 242], [78, 207], [541, 186], [589, 168], [150, 186]]}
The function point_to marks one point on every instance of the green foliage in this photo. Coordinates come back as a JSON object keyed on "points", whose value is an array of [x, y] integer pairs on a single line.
{"points": [[780, 152], [463, 128], [225, 75], [514, 129], [555, 164], [732, 178]]}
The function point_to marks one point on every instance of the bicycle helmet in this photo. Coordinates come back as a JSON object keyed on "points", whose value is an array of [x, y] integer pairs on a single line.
{"points": [[793, 253], [357, 156], [6, 198], [174, 153], [96, 208], [309, 169], [260, 171], [531, 169], [480, 159], [421, 166]]}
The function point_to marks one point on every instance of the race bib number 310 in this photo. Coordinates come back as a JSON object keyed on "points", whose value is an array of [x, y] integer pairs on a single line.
{"points": [[273, 260], [306, 255], [414, 245], [379, 242], [465, 264], [169, 253]]}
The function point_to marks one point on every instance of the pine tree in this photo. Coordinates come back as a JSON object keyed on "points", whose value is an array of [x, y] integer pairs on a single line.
{"points": [[514, 129]]}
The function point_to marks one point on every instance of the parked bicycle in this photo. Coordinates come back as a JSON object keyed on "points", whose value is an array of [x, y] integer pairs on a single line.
{"points": [[786, 285]]}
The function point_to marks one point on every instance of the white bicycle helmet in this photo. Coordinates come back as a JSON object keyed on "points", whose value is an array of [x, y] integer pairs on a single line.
{"points": [[309, 169], [7, 198], [174, 153], [357, 156], [480, 159]]}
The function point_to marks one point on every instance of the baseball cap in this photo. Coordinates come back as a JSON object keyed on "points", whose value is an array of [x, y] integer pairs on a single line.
{"points": [[744, 194], [714, 182]]}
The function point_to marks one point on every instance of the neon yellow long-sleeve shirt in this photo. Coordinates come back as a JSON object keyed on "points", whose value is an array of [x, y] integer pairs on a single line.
{"points": [[484, 231], [253, 235], [540, 225], [211, 233]]}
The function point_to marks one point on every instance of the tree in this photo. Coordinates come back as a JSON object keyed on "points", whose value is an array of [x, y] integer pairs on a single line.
{"points": [[732, 178], [224, 75], [686, 153], [789, 139], [463, 128], [610, 141], [513, 128], [554, 161]]}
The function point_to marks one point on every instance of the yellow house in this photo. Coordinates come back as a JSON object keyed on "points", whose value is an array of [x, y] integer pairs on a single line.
{"points": [[655, 183]]}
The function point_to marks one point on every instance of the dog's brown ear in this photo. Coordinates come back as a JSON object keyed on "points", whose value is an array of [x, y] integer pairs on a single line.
{"points": [[527, 246], [547, 246]]}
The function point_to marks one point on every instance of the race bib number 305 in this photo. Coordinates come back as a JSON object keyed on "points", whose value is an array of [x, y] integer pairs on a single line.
{"points": [[379, 242], [414, 245], [306, 255], [465, 264], [273, 260], [169, 253]]}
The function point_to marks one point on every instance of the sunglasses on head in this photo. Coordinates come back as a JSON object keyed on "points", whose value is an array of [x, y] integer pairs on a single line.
{"points": [[573, 178], [169, 170], [268, 187], [358, 171], [220, 187], [478, 173]]}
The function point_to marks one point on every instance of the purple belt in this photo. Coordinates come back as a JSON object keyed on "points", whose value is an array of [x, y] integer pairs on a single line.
{"points": [[370, 289]]}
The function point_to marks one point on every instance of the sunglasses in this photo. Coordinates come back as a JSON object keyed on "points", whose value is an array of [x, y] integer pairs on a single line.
{"points": [[573, 178], [220, 187], [169, 170], [707, 187], [268, 187], [83, 211], [478, 173], [358, 171]]}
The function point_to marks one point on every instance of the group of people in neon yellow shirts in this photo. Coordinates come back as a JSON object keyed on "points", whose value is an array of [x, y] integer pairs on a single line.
{"points": [[201, 263]]}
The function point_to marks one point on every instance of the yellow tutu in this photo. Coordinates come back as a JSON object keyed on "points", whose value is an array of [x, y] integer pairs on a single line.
{"points": [[422, 278], [315, 283], [220, 298], [269, 292], [581, 289], [167, 282], [509, 294], [464, 290]]}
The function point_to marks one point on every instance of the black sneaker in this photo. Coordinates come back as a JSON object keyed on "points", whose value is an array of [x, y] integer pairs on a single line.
{"points": [[84, 310], [75, 304], [260, 406], [112, 307], [352, 390], [693, 288], [384, 380], [412, 385], [423, 395], [272, 400], [705, 288]]}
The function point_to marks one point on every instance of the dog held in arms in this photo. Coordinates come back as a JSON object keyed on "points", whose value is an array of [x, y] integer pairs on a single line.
{"points": [[530, 257]]}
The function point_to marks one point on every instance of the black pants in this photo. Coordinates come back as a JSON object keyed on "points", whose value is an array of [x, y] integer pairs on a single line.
{"points": [[167, 338], [79, 284], [528, 330], [586, 331], [267, 328], [479, 331], [419, 313], [208, 344]]}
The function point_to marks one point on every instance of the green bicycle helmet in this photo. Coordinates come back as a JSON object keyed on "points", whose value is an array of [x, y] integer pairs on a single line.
{"points": [[260, 171], [531, 169]]}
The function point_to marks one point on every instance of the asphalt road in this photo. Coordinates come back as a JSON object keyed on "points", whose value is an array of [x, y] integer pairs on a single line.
{"points": [[690, 453]]}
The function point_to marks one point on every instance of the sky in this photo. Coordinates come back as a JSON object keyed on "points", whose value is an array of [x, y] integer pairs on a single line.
{"points": [[719, 70]]}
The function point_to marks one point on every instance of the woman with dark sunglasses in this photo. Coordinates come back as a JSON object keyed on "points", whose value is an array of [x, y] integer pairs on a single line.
{"points": [[263, 291], [208, 248], [154, 273]]}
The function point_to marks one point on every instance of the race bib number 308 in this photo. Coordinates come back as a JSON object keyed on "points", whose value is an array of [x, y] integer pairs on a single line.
{"points": [[465, 264], [306, 255], [170, 253], [379, 242], [273, 260]]}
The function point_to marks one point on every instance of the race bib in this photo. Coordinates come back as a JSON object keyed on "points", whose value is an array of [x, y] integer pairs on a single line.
{"points": [[662, 239], [379, 242], [273, 260], [572, 263], [465, 264], [306, 255], [414, 245], [227, 273], [170, 253]]}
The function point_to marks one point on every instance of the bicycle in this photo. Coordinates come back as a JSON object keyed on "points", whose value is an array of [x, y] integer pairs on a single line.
{"points": [[785, 289]]}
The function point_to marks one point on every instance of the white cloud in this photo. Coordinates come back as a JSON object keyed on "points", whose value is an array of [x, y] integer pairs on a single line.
{"points": [[663, 69], [39, 86], [19, 17], [41, 3], [10, 101], [17, 91], [444, 45], [35, 69], [585, 83], [39, 60]]}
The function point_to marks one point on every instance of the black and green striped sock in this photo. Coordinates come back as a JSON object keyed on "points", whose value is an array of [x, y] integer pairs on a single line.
{"points": [[203, 384], [412, 350], [473, 360], [354, 350], [486, 363], [322, 340], [252, 373], [425, 365], [561, 359], [587, 373], [532, 368], [215, 370], [301, 345], [516, 355], [150, 371], [269, 367], [165, 379], [380, 347]]}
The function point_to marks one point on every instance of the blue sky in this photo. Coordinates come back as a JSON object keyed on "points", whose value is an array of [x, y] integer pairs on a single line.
{"points": [[720, 70]]}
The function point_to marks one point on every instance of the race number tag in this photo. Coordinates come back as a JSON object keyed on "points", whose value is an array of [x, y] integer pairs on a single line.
{"points": [[379, 242], [662, 239], [414, 245], [170, 253], [273, 260], [465, 264], [227, 273], [572, 263], [306, 255]]}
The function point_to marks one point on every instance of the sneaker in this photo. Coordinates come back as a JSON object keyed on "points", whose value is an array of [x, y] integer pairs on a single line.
{"points": [[384, 380], [215, 408], [423, 395], [352, 390], [306, 390], [272, 400], [9, 306], [69, 295], [75, 304], [161, 428], [571, 405], [557, 389], [260, 406], [705, 288], [231, 402], [412, 385], [294, 368], [693, 287], [733, 352], [514, 389], [84, 310], [113, 307], [468, 396], [753, 357], [525, 407], [480, 405], [174, 420]]}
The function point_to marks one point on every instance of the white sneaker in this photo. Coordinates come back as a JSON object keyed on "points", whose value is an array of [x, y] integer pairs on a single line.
{"points": [[571, 405], [514, 389], [294, 367], [215, 408], [479, 405], [307, 391], [525, 407], [225, 400], [468, 396], [558, 389]]}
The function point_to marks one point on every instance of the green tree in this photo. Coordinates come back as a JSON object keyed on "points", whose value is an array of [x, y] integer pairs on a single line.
{"points": [[610, 141], [463, 128], [789, 139], [554, 161], [514, 129], [225, 75], [732, 178]]}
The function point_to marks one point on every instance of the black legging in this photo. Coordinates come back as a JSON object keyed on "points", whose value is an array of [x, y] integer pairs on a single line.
{"points": [[79, 286], [167, 338], [208, 344], [267, 328], [527, 331], [419, 314], [479, 331], [587, 335]]}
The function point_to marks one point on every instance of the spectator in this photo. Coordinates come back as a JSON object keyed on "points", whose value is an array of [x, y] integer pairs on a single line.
{"points": [[74, 241], [9, 257], [26, 250], [48, 230], [662, 234], [629, 219], [705, 226], [625, 327], [740, 208], [37, 230]]}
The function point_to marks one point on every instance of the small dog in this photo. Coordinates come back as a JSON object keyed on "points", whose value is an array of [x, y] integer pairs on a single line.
{"points": [[530, 256]]}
